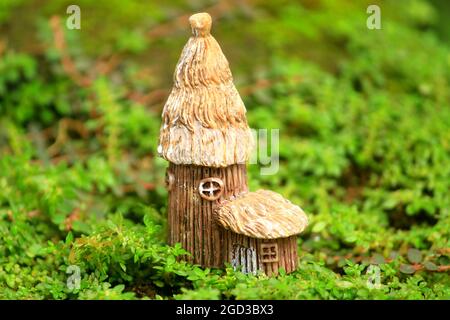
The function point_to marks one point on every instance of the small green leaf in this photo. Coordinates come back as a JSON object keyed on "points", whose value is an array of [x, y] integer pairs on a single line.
{"points": [[407, 268], [199, 272], [377, 259], [393, 255], [430, 266], [319, 226], [170, 260], [69, 238], [414, 255], [10, 282], [344, 284], [119, 288]]}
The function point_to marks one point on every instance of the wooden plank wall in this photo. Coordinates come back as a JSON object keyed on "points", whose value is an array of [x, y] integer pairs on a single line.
{"points": [[190, 217]]}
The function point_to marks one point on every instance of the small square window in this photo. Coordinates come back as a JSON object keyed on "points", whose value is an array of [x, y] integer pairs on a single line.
{"points": [[269, 252]]}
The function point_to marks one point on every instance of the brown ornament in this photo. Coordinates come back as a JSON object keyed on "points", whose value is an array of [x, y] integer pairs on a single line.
{"points": [[206, 139]]}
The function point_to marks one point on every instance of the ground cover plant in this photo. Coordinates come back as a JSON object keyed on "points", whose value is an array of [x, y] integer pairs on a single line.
{"points": [[364, 120]]}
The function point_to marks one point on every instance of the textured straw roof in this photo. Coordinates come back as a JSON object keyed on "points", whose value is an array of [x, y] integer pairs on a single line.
{"points": [[262, 214], [204, 119]]}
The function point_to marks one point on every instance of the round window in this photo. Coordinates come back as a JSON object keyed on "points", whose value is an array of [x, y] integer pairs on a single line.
{"points": [[210, 188]]}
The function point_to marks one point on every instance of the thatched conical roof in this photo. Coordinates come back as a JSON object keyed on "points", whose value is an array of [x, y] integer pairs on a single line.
{"points": [[262, 214], [203, 121]]}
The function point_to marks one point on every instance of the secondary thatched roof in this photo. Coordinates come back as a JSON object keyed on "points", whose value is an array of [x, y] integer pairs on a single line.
{"points": [[262, 214], [204, 119]]}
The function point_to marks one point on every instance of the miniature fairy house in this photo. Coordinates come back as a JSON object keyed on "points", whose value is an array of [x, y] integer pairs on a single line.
{"points": [[207, 141]]}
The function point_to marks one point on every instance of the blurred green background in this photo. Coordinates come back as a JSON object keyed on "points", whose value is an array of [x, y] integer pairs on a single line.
{"points": [[364, 119]]}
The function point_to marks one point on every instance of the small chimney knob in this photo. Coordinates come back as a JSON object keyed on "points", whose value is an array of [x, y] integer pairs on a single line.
{"points": [[200, 24]]}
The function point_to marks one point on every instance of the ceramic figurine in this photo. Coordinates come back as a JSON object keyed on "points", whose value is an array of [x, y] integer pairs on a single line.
{"points": [[206, 139]]}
